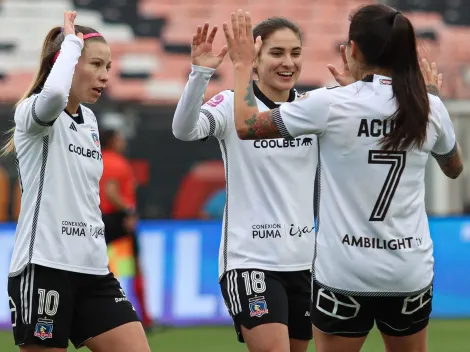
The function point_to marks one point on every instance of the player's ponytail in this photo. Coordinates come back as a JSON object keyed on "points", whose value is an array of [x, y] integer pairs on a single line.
{"points": [[45, 66], [387, 39], [49, 47], [409, 88]]}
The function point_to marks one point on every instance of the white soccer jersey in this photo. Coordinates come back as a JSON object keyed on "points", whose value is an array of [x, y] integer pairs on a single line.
{"points": [[269, 211], [373, 235], [59, 164]]}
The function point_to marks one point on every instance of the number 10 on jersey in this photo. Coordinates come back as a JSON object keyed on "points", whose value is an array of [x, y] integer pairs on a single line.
{"points": [[397, 162]]}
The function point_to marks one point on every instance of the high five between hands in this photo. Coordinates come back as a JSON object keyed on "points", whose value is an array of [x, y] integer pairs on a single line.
{"points": [[243, 50]]}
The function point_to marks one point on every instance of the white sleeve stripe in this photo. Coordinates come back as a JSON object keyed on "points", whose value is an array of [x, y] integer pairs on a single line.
{"points": [[211, 119], [36, 118], [276, 113], [439, 157]]}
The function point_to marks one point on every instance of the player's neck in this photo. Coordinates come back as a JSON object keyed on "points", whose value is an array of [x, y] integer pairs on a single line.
{"points": [[376, 71], [274, 95], [72, 106]]}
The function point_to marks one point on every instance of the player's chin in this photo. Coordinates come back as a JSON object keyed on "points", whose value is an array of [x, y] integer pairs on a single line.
{"points": [[91, 99], [285, 85]]}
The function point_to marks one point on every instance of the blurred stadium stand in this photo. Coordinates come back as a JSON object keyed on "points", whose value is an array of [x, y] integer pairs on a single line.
{"points": [[150, 40], [150, 43]]}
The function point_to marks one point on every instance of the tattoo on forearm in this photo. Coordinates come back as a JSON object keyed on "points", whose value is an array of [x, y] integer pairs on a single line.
{"points": [[451, 170], [250, 95], [432, 89], [262, 126]]}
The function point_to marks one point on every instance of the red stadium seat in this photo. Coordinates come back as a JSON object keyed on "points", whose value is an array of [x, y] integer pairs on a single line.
{"points": [[196, 187]]}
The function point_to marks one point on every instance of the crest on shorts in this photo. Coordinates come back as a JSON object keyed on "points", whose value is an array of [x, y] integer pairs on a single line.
{"points": [[258, 306], [44, 329], [96, 140]]}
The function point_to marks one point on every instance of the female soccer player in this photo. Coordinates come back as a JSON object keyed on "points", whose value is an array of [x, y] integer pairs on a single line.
{"points": [[265, 252], [59, 285], [373, 255]]}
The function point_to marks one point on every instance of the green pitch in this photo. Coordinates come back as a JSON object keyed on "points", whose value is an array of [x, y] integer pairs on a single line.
{"points": [[444, 336]]}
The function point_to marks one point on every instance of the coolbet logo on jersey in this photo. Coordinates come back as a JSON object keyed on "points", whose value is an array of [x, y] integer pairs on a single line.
{"points": [[283, 143], [258, 307], [85, 152]]}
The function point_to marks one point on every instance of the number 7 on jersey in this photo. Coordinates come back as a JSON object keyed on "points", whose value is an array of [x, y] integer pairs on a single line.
{"points": [[397, 161]]}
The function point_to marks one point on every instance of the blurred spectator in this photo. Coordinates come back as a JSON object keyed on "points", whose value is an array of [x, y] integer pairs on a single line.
{"points": [[118, 205]]}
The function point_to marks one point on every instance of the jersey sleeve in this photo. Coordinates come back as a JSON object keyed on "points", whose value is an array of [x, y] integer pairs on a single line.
{"points": [[446, 144], [306, 115], [43, 109], [193, 122]]}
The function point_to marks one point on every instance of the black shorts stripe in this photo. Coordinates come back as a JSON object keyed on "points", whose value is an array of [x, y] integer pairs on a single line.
{"points": [[26, 293]]}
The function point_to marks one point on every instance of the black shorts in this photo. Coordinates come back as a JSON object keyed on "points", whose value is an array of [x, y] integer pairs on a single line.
{"points": [[50, 306], [354, 316], [255, 297]]}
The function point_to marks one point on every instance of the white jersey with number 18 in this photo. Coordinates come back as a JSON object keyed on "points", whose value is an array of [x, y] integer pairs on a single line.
{"points": [[269, 211], [373, 236]]}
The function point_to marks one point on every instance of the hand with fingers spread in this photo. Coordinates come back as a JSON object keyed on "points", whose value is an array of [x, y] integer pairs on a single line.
{"points": [[343, 78], [69, 24], [431, 76], [201, 48], [241, 47]]}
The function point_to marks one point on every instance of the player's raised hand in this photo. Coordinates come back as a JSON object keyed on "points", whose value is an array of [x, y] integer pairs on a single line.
{"points": [[241, 47], [343, 78], [431, 76], [69, 24], [201, 48]]}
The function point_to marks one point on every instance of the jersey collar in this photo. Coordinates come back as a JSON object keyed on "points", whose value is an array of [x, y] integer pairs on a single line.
{"points": [[268, 102], [368, 78], [79, 116]]}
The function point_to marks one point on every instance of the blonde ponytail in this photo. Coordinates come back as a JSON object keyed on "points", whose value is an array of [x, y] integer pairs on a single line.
{"points": [[49, 48], [9, 147]]}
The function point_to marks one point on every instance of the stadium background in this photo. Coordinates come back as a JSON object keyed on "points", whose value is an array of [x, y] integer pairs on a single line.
{"points": [[150, 45]]}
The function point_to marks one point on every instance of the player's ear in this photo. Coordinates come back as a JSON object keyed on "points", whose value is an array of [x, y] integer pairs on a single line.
{"points": [[354, 50]]}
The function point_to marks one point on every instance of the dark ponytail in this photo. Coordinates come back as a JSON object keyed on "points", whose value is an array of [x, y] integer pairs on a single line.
{"points": [[387, 39]]}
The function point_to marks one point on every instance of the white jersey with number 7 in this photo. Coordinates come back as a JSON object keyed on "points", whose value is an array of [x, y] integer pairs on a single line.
{"points": [[373, 236]]}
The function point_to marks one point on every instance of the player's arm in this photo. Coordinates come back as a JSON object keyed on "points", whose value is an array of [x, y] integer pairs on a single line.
{"points": [[452, 164], [446, 151], [53, 97], [192, 121], [304, 116]]}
